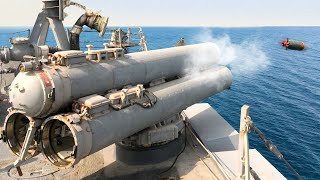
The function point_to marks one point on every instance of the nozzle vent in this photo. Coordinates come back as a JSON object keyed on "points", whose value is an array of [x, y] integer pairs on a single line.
{"points": [[58, 143], [16, 127]]}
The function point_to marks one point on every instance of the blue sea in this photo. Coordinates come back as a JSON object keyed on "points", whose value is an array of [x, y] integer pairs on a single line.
{"points": [[281, 86]]}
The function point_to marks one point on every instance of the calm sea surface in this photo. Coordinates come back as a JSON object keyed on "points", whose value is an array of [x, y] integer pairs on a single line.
{"points": [[281, 86]]}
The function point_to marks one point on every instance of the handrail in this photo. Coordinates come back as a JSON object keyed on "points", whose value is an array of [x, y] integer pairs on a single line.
{"points": [[245, 124]]}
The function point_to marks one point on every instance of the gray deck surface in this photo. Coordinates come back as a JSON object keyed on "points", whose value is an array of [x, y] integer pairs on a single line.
{"points": [[222, 139]]}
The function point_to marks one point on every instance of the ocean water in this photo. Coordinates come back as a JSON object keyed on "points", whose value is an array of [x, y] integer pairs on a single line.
{"points": [[281, 86]]}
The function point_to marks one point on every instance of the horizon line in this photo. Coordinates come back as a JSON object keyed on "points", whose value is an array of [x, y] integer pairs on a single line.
{"points": [[168, 26]]}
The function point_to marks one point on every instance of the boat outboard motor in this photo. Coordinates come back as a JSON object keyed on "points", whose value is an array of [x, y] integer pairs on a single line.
{"points": [[93, 21]]}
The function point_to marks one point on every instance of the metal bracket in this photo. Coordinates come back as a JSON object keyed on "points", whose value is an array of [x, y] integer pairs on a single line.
{"points": [[126, 96], [33, 125], [59, 33], [74, 118]]}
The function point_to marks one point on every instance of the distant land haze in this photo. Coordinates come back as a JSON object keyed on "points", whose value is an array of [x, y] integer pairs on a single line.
{"points": [[226, 13]]}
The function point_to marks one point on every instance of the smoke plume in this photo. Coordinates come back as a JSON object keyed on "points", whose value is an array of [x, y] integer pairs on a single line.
{"points": [[243, 59]]}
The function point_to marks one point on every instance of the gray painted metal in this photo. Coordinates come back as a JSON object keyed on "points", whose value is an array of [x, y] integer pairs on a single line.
{"points": [[52, 14], [59, 33], [173, 97], [39, 26], [20, 47], [61, 13], [61, 85], [48, 16], [44, 33]]}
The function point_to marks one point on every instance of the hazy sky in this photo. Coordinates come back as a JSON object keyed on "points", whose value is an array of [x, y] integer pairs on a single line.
{"points": [[178, 12]]}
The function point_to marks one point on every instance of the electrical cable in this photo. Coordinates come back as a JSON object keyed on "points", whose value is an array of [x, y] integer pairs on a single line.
{"points": [[192, 146], [123, 107], [185, 145], [145, 106], [154, 96], [210, 153]]}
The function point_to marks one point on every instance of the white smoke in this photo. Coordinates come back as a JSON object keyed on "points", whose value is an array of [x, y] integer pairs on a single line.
{"points": [[200, 58], [243, 59]]}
